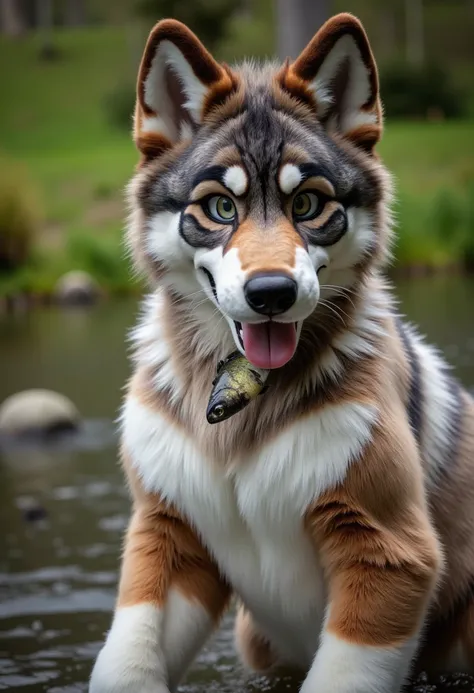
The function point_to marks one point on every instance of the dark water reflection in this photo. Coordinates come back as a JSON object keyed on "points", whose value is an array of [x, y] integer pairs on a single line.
{"points": [[58, 575]]}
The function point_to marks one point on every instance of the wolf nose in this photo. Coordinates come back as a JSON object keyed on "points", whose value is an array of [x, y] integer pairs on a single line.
{"points": [[270, 294]]}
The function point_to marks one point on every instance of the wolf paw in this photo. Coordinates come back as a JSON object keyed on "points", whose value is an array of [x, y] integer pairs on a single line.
{"points": [[112, 674]]}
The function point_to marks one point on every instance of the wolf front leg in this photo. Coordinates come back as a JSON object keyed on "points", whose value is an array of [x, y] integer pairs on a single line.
{"points": [[383, 562], [170, 597]]}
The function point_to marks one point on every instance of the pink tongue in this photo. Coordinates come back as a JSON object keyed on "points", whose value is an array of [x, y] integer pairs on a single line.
{"points": [[269, 345]]}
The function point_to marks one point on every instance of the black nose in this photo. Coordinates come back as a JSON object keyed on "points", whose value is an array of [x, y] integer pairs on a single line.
{"points": [[270, 294]]}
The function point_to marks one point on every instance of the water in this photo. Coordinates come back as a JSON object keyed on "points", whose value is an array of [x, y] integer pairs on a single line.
{"points": [[58, 574]]}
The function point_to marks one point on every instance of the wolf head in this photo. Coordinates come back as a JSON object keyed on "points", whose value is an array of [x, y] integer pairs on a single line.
{"points": [[258, 189]]}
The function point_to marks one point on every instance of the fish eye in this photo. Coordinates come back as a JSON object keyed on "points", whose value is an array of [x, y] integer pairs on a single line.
{"points": [[220, 208], [218, 411], [306, 205]]}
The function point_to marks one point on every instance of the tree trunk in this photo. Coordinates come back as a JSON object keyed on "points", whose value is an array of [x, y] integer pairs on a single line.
{"points": [[415, 40], [297, 22], [12, 21], [45, 19], [75, 13], [387, 35]]}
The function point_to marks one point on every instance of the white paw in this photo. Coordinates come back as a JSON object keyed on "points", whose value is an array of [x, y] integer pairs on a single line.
{"points": [[131, 660], [113, 673]]}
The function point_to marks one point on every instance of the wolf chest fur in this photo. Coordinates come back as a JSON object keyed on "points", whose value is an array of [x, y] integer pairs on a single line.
{"points": [[339, 507]]}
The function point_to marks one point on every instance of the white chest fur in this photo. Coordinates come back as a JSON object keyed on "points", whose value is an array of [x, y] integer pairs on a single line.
{"points": [[250, 514]]}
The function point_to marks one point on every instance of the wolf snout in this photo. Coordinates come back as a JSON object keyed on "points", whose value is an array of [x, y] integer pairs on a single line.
{"points": [[270, 294]]}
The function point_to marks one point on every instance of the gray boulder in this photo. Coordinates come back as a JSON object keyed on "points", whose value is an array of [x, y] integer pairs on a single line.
{"points": [[77, 288], [37, 411]]}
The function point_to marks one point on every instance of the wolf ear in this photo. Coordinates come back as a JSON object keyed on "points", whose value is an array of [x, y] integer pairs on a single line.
{"points": [[336, 73], [178, 83]]}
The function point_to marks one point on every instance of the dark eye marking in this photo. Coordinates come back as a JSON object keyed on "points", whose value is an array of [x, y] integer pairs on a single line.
{"points": [[211, 173], [198, 236], [171, 204], [328, 230], [211, 281], [315, 171]]}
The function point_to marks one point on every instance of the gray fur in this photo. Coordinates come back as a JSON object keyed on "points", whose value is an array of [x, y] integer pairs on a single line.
{"points": [[260, 130]]}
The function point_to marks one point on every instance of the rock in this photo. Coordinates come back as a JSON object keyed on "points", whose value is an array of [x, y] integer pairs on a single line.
{"points": [[32, 510], [37, 412], [77, 288]]}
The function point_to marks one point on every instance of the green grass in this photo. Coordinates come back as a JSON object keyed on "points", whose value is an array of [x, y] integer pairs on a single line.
{"points": [[426, 156], [53, 121], [433, 169]]}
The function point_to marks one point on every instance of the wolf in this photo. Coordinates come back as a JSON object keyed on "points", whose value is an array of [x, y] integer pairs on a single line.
{"points": [[337, 508]]}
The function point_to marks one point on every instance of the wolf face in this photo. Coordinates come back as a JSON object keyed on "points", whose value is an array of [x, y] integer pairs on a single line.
{"points": [[258, 187]]}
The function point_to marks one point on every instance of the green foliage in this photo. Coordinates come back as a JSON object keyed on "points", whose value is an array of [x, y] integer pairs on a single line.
{"points": [[19, 217], [207, 18], [428, 91], [250, 34], [119, 104], [467, 239], [103, 191], [436, 230], [104, 258]]}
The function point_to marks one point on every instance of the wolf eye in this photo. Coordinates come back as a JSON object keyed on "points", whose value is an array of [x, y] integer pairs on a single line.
{"points": [[221, 208], [306, 206]]}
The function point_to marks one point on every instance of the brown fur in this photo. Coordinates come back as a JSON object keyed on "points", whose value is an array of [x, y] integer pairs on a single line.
{"points": [[308, 63], [219, 79], [266, 250], [293, 154], [388, 549], [254, 649], [208, 187], [318, 183], [375, 539], [264, 418], [452, 621], [162, 551], [295, 77], [228, 156]]}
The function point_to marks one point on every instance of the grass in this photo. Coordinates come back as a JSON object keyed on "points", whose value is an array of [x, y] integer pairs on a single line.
{"points": [[53, 122], [433, 168]]}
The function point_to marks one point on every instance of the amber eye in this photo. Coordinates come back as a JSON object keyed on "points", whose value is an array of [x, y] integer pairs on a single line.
{"points": [[306, 205], [221, 209]]}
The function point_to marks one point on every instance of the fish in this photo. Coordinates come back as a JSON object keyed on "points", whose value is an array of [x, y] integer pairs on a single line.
{"points": [[236, 384]]}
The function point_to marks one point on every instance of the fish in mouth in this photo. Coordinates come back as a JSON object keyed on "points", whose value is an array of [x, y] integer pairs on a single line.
{"points": [[236, 384]]}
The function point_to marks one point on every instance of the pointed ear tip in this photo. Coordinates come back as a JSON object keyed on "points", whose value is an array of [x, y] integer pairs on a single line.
{"points": [[329, 33], [343, 23], [170, 28], [344, 19], [168, 24]]}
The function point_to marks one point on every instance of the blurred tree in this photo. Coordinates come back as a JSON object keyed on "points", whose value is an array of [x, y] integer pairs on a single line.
{"points": [[207, 18], [45, 19], [251, 32], [75, 13], [415, 45], [297, 22], [12, 20]]}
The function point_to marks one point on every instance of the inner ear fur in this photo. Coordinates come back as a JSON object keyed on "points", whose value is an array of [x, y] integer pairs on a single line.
{"points": [[336, 76], [179, 82]]}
